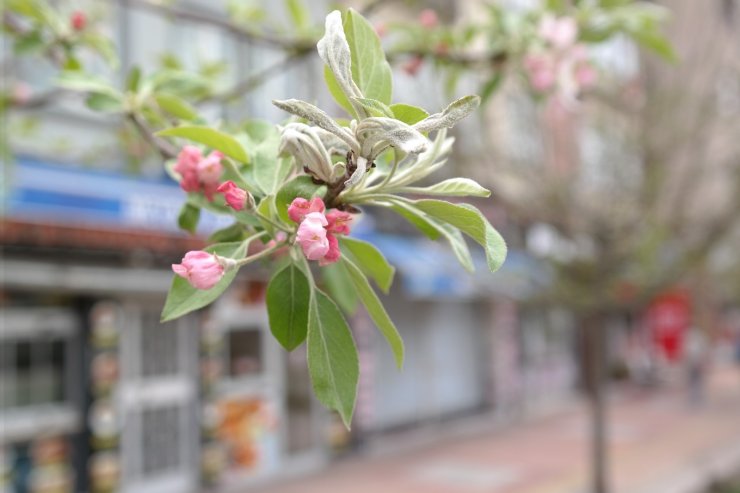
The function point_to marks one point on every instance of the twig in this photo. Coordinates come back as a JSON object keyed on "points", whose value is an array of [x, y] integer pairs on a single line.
{"points": [[165, 149], [254, 81], [260, 37]]}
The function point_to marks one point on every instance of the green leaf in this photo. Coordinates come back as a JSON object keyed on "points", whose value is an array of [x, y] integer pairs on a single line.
{"points": [[372, 263], [72, 64], [655, 42], [490, 87], [235, 232], [268, 170], [189, 217], [370, 70], [288, 299], [454, 187], [374, 107], [298, 13], [29, 43], [184, 298], [376, 310], [300, 186], [78, 81], [407, 113], [332, 357], [338, 284], [211, 137], [457, 243], [471, 222], [337, 93], [176, 106], [417, 218], [133, 79], [456, 111], [104, 102]]}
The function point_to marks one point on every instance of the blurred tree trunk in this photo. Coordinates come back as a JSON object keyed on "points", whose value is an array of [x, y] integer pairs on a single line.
{"points": [[593, 328]]}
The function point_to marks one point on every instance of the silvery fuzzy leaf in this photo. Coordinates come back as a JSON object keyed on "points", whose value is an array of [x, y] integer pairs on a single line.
{"points": [[303, 143], [332, 143], [334, 51], [377, 133], [448, 118], [318, 117], [427, 162], [358, 173]]}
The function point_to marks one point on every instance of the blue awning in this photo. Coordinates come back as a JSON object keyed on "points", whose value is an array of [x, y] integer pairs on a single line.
{"points": [[429, 269]]}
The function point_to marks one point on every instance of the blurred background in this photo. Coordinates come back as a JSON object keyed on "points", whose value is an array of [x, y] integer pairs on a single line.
{"points": [[603, 356]]}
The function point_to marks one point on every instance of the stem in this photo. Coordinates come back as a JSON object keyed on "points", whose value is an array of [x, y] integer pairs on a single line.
{"points": [[264, 253], [273, 223], [234, 169], [391, 172]]}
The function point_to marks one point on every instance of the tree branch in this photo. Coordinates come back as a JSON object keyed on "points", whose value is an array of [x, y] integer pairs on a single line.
{"points": [[165, 149]]}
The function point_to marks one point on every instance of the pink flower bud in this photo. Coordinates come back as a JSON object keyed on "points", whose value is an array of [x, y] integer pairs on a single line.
{"points": [[78, 20], [201, 269], [428, 18], [300, 207], [311, 236], [338, 222], [236, 198], [412, 66], [381, 29], [333, 254]]}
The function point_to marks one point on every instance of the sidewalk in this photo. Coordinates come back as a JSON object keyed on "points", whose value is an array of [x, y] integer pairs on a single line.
{"points": [[658, 445]]}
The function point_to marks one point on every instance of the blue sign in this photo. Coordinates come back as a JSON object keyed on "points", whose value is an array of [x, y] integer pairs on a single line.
{"points": [[39, 191]]}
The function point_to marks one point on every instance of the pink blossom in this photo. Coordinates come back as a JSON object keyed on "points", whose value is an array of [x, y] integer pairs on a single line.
{"points": [[559, 32], [338, 222], [413, 65], [381, 29], [187, 167], [236, 197], [333, 254], [22, 93], [279, 237], [199, 173], [312, 236], [428, 18], [210, 168], [585, 75], [301, 207], [201, 269], [78, 20], [541, 71]]}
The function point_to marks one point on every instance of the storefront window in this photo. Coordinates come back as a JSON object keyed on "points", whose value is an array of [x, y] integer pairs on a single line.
{"points": [[244, 352], [32, 372]]}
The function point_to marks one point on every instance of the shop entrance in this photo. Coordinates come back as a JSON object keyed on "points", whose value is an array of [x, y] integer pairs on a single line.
{"points": [[158, 403]]}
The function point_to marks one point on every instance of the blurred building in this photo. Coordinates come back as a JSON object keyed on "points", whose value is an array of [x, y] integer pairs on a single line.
{"points": [[97, 395]]}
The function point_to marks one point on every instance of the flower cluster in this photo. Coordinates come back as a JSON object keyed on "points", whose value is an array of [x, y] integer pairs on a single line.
{"points": [[78, 20], [317, 231], [203, 270], [199, 173], [559, 63]]}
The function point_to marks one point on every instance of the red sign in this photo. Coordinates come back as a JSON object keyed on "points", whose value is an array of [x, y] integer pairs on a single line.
{"points": [[668, 319]]}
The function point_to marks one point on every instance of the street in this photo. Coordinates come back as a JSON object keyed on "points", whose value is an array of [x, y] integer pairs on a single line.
{"points": [[659, 444]]}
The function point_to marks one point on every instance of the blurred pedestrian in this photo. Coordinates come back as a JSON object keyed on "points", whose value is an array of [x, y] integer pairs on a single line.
{"points": [[696, 365]]}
